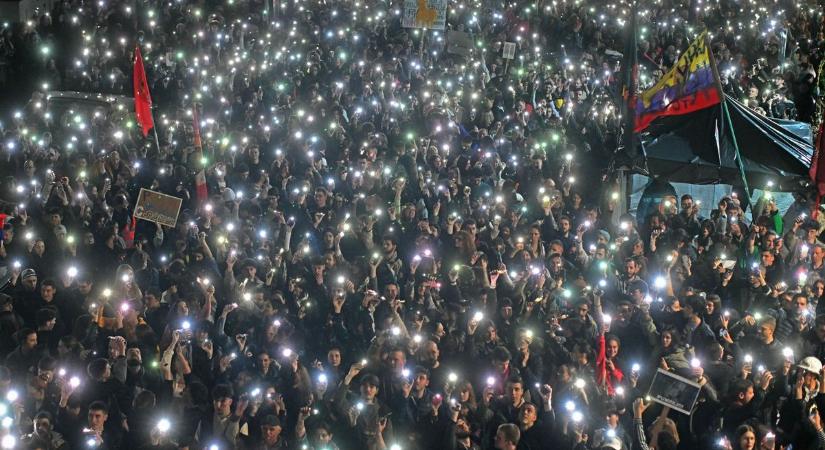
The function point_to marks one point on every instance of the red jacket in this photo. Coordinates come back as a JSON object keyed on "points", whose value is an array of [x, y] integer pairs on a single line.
{"points": [[607, 378]]}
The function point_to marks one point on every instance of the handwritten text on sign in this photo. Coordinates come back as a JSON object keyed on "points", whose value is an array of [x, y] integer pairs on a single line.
{"points": [[430, 14]]}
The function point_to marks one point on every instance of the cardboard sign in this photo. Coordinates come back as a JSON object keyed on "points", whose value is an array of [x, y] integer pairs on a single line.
{"points": [[509, 50], [430, 14], [459, 43], [674, 391], [156, 207]]}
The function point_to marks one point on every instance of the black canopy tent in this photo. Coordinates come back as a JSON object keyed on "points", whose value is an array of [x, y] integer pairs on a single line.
{"points": [[698, 148]]}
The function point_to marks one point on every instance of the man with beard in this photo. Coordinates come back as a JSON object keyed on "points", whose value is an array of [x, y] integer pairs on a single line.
{"points": [[44, 434], [271, 435], [24, 292], [136, 375]]}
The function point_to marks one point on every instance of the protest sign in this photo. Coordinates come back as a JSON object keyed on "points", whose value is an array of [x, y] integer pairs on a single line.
{"points": [[156, 207], [429, 14], [674, 391], [509, 50]]}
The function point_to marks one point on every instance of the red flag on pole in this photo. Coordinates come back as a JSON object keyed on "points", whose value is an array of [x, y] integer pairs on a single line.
{"points": [[817, 170], [143, 101], [201, 192]]}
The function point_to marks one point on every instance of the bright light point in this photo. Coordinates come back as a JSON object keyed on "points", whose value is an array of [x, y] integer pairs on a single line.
{"points": [[164, 425]]}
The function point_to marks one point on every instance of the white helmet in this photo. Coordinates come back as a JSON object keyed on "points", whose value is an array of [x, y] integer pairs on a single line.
{"points": [[811, 364]]}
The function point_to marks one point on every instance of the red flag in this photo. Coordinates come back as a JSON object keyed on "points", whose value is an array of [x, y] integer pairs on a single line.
{"points": [[143, 101], [817, 170], [200, 178]]}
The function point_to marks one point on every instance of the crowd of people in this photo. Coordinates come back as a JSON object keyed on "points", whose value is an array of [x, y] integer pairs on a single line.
{"points": [[390, 239]]}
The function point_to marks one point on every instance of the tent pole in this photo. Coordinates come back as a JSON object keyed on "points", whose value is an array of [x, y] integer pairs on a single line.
{"points": [[739, 163], [624, 194]]}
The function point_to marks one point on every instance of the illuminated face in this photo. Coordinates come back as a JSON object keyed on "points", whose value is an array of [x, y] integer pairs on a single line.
{"points": [[47, 292], [421, 381], [515, 392], [42, 426], [667, 339], [270, 433], [391, 291], [396, 360], [528, 414], [39, 247], [334, 358], [322, 436], [369, 391], [264, 362], [97, 418], [612, 349], [766, 332], [222, 405], [747, 441], [801, 304]]}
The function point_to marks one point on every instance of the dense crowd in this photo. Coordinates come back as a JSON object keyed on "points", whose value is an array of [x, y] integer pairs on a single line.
{"points": [[392, 240]]}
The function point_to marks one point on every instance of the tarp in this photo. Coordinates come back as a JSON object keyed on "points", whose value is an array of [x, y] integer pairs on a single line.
{"points": [[698, 148]]}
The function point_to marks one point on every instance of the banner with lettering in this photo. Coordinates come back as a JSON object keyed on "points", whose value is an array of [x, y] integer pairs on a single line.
{"points": [[692, 84], [429, 14]]}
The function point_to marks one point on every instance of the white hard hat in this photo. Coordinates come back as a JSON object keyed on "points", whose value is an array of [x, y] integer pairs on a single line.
{"points": [[811, 364]]}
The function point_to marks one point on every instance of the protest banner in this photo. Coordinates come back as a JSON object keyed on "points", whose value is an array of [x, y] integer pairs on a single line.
{"points": [[674, 391], [429, 14], [157, 207]]}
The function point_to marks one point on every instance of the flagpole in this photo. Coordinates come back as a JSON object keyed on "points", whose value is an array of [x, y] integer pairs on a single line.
{"points": [[630, 88], [155, 132], [740, 164]]}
